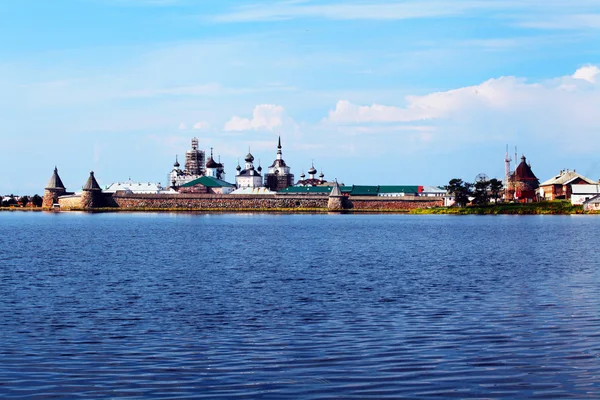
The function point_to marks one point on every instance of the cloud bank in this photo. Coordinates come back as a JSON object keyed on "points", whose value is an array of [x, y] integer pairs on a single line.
{"points": [[264, 117], [561, 110]]}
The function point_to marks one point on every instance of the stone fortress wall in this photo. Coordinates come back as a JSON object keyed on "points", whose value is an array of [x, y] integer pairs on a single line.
{"points": [[371, 203], [264, 202], [129, 201], [217, 202], [70, 202]]}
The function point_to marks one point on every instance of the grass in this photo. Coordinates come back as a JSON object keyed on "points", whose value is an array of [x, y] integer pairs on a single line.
{"points": [[20, 208], [558, 207]]}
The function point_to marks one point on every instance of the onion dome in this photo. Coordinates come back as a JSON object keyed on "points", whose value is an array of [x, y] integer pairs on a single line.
{"points": [[321, 175], [176, 165], [249, 158], [302, 176], [238, 168], [259, 168], [312, 170], [211, 163]]}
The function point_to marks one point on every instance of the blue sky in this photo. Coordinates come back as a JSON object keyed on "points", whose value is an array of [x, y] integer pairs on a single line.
{"points": [[375, 92]]}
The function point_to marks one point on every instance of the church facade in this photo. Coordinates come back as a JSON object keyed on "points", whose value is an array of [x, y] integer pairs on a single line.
{"points": [[248, 177], [195, 167]]}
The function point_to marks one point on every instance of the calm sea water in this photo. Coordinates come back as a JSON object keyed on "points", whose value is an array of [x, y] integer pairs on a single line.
{"points": [[298, 306]]}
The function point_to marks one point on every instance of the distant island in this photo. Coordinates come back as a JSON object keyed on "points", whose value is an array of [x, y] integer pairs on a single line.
{"points": [[201, 185]]}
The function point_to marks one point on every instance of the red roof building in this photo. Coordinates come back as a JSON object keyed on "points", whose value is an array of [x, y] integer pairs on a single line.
{"points": [[523, 183]]}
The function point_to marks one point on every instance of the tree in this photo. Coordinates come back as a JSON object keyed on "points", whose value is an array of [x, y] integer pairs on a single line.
{"points": [[481, 192], [460, 190], [24, 200], [9, 201], [496, 187], [37, 200]]}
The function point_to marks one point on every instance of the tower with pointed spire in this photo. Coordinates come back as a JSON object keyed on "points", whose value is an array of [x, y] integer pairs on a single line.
{"points": [[279, 176], [91, 195], [54, 190]]}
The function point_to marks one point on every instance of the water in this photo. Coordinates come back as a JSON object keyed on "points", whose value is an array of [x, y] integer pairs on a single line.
{"points": [[298, 306]]}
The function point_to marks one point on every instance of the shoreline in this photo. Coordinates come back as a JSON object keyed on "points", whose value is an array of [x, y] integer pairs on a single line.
{"points": [[471, 210]]}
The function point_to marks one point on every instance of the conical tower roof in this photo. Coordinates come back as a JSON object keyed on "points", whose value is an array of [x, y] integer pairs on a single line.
{"points": [[336, 191], [524, 172], [92, 183], [55, 181]]}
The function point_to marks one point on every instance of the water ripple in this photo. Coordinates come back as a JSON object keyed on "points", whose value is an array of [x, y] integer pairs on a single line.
{"points": [[313, 306]]}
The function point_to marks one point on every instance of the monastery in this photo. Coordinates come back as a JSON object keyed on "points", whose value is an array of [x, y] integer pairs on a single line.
{"points": [[202, 185]]}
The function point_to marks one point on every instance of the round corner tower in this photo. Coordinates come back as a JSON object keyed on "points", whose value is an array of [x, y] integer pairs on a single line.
{"points": [[336, 199], [53, 191], [91, 195]]}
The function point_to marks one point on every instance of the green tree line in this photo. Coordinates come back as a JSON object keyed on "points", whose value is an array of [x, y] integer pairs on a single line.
{"points": [[481, 192]]}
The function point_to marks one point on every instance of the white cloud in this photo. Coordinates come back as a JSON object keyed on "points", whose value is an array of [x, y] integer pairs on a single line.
{"points": [[588, 73], [201, 125], [264, 117], [563, 109], [182, 126]]}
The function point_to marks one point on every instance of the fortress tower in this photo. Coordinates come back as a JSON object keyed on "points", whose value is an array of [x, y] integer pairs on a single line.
{"points": [[91, 195], [54, 189], [336, 198]]}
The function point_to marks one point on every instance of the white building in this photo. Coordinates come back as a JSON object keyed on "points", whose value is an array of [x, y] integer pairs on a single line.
{"points": [[433, 191], [252, 191], [134, 187], [581, 193], [195, 167], [179, 177], [592, 204], [248, 177]]}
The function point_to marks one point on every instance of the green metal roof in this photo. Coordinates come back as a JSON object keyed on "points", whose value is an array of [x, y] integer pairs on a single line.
{"points": [[354, 190], [358, 190], [307, 189], [207, 181], [399, 189]]}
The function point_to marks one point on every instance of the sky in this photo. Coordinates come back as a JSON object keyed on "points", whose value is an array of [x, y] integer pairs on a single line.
{"points": [[378, 92]]}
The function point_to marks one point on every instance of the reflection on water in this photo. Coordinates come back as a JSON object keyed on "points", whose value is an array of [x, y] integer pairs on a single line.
{"points": [[290, 306]]}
